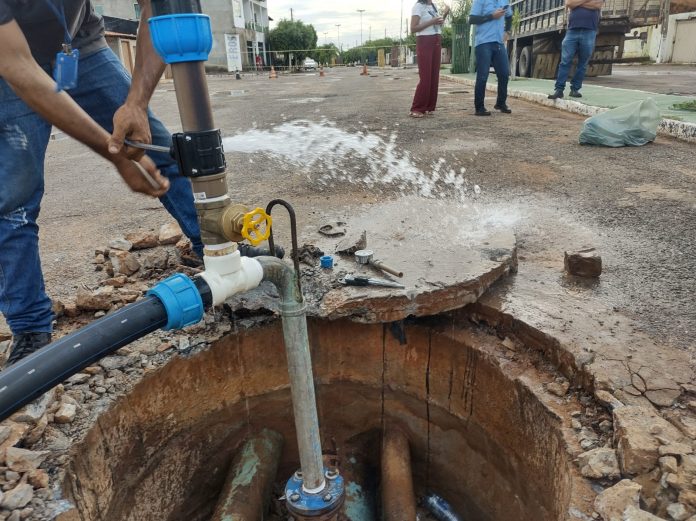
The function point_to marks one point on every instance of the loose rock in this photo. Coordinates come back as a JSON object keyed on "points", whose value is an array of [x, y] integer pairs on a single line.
{"points": [[668, 464], [677, 512], [559, 389], [635, 442], [599, 463], [157, 259], [18, 497], [120, 244], [675, 449], [607, 399], [124, 262], [66, 413], [142, 240], [170, 233], [634, 514], [583, 263], [22, 460], [614, 501], [99, 300]]}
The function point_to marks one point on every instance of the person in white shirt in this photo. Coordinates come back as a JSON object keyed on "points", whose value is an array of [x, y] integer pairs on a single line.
{"points": [[426, 24]]}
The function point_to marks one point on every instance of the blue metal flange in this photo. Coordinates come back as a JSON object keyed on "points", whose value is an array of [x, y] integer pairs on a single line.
{"points": [[183, 37], [181, 300], [303, 504]]}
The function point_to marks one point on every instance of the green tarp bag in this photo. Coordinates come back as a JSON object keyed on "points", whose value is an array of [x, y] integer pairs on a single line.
{"points": [[630, 125]]}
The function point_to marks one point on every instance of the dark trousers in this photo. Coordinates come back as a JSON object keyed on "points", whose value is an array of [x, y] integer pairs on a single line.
{"points": [[487, 54], [428, 51]]}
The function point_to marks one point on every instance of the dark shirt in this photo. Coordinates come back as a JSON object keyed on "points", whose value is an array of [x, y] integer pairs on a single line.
{"points": [[583, 18], [46, 33]]}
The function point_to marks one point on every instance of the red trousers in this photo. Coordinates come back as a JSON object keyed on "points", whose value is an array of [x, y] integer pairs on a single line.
{"points": [[428, 50]]}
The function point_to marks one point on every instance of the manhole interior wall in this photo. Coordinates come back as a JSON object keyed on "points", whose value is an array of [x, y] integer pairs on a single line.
{"points": [[478, 436]]}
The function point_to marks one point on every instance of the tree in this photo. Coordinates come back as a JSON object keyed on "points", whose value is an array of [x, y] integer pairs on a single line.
{"points": [[293, 37], [324, 53], [447, 37]]}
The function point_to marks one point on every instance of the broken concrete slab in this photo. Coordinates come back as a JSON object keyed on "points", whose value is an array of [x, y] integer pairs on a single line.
{"points": [[439, 276]]}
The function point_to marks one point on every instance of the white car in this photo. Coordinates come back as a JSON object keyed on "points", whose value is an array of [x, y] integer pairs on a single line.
{"points": [[310, 65]]}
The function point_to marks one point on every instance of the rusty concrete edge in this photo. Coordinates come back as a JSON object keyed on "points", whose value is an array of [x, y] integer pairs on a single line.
{"points": [[668, 127]]}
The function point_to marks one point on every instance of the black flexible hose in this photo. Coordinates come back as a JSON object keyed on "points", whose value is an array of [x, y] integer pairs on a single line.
{"points": [[37, 373]]}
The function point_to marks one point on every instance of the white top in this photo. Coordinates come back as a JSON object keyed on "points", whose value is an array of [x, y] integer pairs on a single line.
{"points": [[426, 13]]}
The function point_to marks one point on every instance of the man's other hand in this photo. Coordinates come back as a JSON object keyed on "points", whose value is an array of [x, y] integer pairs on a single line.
{"points": [[498, 13], [132, 173], [130, 121]]}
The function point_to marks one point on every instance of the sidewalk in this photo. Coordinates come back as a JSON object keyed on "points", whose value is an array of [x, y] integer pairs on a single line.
{"points": [[677, 123]]}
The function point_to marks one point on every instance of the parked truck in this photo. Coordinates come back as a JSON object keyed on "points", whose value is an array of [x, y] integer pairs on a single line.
{"points": [[542, 25]]}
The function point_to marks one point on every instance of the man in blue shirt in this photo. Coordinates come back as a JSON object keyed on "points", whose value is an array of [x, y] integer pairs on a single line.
{"points": [[493, 19], [579, 40]]}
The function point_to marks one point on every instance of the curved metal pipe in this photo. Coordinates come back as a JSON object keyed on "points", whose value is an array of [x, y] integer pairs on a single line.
{"points": [[294, 315]]}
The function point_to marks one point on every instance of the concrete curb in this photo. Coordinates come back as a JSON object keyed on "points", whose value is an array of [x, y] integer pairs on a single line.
{"points": [[668, 127]]}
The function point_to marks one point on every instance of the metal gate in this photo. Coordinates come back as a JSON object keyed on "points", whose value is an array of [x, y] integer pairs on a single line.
{"points": [[684, 50]]}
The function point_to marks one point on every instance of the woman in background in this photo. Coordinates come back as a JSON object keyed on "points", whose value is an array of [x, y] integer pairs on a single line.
{"points": [[426, 24]]}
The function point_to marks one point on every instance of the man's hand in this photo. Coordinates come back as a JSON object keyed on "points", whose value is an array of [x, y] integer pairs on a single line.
{"points": [[130, 121], [506, 37], [498, 13], [134, 178]]}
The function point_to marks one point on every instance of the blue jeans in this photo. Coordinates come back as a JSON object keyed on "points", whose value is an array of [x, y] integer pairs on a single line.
{"points": [[24, 135], [580, 42], [487, 54]]}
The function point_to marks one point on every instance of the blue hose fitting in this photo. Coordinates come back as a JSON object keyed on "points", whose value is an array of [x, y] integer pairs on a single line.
{"points": [[304, 505], [181, 299], [184, 37]]}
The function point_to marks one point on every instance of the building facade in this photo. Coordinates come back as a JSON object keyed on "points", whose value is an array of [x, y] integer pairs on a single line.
{"points": [[240, 29]]}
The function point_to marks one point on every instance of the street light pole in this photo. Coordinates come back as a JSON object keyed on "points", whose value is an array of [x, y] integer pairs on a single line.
{"points": [[338, 28], [361, 11], [401, 31], [362, 59], [325, 40]]}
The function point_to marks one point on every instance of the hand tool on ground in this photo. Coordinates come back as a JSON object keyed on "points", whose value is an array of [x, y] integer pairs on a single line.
{"points": [[367, 257], [354, 280]]}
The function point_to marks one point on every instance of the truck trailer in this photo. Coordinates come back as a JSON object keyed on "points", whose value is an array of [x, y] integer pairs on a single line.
{"points": [[542, 25]]}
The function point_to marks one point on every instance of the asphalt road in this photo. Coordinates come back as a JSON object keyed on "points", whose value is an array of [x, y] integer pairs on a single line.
{"points": [[357, 146]]}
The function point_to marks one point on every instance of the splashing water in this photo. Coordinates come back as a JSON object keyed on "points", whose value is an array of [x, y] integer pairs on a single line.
{"points": [[332, 155]]}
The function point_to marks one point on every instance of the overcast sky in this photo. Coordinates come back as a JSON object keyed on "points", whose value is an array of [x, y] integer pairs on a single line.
{"points": [[325, 14]]}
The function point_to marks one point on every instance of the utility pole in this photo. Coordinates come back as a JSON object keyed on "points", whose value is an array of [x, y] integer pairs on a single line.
{"points": [[292, 19], [338, 29], [361, 11], [401, 31], [325, 41]]}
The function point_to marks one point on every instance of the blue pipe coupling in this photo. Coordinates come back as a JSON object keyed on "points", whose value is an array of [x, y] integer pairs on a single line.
{"points": [[181, 300], [305, 505], [185, 37]]}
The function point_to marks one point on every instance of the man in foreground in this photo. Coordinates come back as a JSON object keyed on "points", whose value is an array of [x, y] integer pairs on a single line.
{"points": [[103, 100]]}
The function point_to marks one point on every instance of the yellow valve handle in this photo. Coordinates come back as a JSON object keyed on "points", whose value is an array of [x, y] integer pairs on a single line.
{"points": [[256, 227]]}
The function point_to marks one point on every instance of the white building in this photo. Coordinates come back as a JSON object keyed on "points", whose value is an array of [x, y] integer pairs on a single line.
{"points": [[240, 29], [677, 45]]}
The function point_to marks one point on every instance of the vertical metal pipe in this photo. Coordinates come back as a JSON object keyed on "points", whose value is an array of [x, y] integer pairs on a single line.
{"points": [[398, 497], [247, 492], [193, 99], [192, 96], [300, 369]]}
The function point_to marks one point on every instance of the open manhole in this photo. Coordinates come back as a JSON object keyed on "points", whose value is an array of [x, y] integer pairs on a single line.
{"points": [[479, 436]]}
